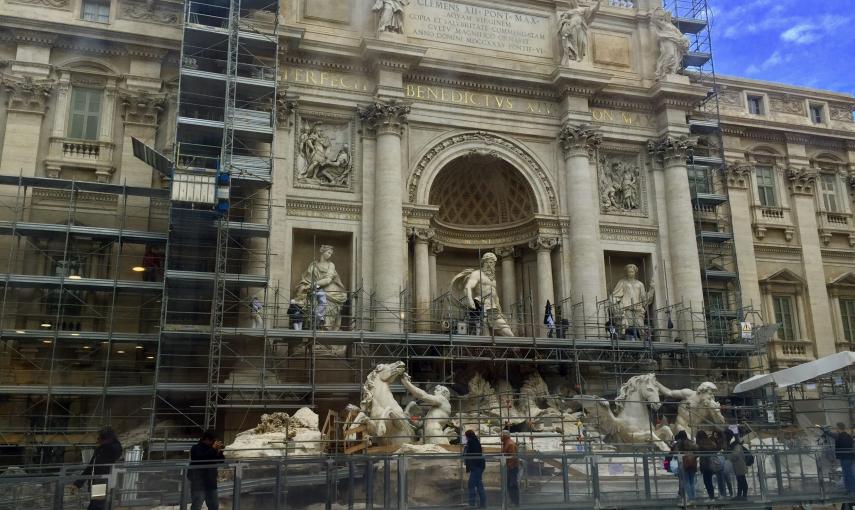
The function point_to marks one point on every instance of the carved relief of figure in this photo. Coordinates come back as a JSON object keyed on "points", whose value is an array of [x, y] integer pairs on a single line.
{"points": [[673, 45], [573, 29], [391, 13], [322, 276], [619, 186], [315, 164], [439, 415], [630, 300], [697, 407], [480, 285]]}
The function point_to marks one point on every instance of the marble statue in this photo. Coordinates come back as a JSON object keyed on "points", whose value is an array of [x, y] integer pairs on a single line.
{"points": [[620, 190], [673, 45], [317, 166], [636, 399], [697, 407], [480, 285], [573, 28], [630, 300], [438, 417], [386, 422], [391, 13], [322, 279]]}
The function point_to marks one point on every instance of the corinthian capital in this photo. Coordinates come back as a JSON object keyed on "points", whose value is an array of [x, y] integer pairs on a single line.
{"points": [[672, 149], [506, 252], [802, 181], [27, 94], [423, 235], [579, 139], [543, 243], [142, 107], [387, 116], [436, 248], [738, 174]]}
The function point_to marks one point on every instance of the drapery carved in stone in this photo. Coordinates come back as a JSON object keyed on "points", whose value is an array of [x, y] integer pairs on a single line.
{"points": [[142, 107], [470, 192], [385, 115], [620, 185], [671, 149], [324, 154], [575, 139], [26, 93]]}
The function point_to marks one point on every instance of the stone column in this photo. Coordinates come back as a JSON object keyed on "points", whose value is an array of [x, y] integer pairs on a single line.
{"points": [[802, 184], [543, 245], [509, 277], [739, 182], [387, 119], [434, 249], [673, 154], [421, 241], [587, 269]]}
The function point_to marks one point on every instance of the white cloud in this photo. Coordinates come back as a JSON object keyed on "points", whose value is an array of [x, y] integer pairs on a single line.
{"points": [[774, 59], [803, 33]]}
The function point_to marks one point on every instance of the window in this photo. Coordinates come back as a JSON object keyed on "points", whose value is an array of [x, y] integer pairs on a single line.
{"points": [[828, 189], [816, 114], [785, 316], [698, 180], [766, 186], [715, 301], [85, 113], [755, 105], [95, 10], [847, 311]]}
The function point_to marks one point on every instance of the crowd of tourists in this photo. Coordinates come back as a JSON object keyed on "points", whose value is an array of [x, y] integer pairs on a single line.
{"points": [[718, 457]]}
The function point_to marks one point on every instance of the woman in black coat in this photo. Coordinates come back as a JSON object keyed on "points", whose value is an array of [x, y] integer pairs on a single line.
{"points": [[473, 458]]}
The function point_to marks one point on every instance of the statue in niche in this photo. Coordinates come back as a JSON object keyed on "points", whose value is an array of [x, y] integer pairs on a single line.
{"points": [[696, 408], [573, 29], [438, 418], [321, 279], [673, 45], [316, 165], [630, 299], [620, 186], [478, 287], [391, 14]]}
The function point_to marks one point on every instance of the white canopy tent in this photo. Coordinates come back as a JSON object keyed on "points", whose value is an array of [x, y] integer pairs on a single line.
{"points": [[799, 373]]}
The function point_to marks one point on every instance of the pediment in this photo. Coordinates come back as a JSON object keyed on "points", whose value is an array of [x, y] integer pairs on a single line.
{"points": [[844, 280], [784, 276]]}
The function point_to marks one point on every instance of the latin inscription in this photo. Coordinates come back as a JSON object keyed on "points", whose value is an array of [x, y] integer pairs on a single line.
{"points": [[480, 27], [476, 99], [327, 79], [622, 118]]}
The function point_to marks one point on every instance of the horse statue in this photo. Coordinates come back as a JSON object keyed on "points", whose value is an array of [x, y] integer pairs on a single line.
{"points": [[632, 424], [386, 422]]}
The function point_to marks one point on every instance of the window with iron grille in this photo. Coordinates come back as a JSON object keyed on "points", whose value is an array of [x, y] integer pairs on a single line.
{"points": [[95, 10]]}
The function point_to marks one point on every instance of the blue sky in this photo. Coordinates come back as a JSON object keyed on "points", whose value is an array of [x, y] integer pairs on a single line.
{"points": [[809, 43]]}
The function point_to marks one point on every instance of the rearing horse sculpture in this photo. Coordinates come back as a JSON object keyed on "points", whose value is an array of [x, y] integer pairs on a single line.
{"points": [[385, 420]]}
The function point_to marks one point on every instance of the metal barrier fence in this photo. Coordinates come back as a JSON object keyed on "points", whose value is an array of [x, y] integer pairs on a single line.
{"points": [[545, 480]]}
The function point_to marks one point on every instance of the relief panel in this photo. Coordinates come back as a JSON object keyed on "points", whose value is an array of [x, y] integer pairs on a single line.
{"points": [[623, 191], [325, 151]]}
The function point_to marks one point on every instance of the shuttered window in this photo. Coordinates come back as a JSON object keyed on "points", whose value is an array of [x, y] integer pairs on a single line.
{"points": [[85, 113]]}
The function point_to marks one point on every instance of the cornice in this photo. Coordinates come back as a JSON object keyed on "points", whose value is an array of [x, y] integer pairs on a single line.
{"points": [[620, 104], [464, 83], [33, 37], [777, 249], [331, 65], [839, 254], [572, 81], [148, 52], [628, 233], [323, 209], [777, 131]]}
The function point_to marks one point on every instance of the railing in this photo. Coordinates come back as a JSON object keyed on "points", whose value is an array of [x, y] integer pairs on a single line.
{"points": [[544, 479]]}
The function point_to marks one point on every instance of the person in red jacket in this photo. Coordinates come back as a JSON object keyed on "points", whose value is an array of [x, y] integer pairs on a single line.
{"points": [[509, 450]]}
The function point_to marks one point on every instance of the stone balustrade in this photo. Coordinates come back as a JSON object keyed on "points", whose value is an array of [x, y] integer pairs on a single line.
{"points": [[626, 4], [80, 154]]}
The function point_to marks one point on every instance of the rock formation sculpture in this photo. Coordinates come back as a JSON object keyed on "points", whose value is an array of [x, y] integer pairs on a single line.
{"points": [[386, 422], [673, 45], [321, 275], [278, 435], [573, 29], [479, 290]]}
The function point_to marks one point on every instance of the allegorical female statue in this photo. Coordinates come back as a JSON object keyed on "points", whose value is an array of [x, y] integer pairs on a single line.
{"points": [[391, 15], [322, 276], [673, 45], [630, 300], [573, 29]]}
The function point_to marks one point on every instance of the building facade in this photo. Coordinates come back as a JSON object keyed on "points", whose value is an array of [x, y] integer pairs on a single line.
{"points": [[377, 152]]}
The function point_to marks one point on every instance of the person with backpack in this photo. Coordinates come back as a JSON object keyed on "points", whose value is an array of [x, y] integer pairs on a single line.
{"points": [[738, 457], [722, 467], [473, 458], [685, 449], [708, 451]]}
